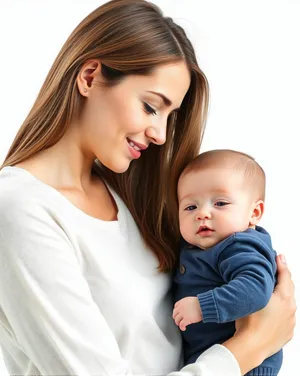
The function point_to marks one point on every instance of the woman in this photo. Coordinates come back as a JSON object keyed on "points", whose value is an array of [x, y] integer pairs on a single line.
{"points": [[86, 241]]}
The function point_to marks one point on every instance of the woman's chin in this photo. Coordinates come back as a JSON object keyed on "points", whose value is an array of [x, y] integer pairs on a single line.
{"points": [[119, 168]]}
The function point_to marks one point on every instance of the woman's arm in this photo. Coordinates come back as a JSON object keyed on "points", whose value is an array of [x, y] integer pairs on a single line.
{"points": [[46, 299], [258, 336], [265, 332]]}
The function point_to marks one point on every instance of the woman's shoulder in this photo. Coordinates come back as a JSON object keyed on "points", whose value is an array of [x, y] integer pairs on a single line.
{"points": [[20, 194]]}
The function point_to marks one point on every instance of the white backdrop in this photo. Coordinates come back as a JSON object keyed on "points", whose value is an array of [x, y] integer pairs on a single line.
{"points": [[250, 52]]}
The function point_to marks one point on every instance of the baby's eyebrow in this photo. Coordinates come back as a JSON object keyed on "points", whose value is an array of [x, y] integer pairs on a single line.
{"points": [[184, 199]]}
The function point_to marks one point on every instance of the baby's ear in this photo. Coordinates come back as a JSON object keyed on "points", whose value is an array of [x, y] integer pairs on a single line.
{"points": [[257, 212]]}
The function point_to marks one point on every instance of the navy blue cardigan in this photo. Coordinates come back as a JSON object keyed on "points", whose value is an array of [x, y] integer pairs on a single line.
{"points": [[232, 279]]}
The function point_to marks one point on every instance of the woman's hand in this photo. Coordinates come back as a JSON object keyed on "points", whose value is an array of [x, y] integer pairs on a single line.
{"points": [[265, 332]]}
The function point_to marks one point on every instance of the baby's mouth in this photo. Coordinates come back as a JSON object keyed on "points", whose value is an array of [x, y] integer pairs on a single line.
{"points": [[204, 230]]}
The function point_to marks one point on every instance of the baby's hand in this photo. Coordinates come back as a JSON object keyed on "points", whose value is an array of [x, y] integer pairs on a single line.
{"points": [[187, 311]]}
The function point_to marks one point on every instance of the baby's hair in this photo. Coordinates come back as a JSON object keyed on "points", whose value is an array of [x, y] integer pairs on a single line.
{"points": [[254, 174]]}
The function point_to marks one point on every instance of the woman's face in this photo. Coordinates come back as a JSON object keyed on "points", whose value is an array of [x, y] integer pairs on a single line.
{"points": [[119, 122]]}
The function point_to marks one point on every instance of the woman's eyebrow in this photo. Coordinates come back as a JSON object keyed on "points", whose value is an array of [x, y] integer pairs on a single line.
{"points": [[166, 100]]}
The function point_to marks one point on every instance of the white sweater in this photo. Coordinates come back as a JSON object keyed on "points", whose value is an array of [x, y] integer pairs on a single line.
{"points": [[81, 296]]}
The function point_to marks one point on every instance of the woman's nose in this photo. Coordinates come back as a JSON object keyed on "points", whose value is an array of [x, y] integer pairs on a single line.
{"points": [[157, 134]]}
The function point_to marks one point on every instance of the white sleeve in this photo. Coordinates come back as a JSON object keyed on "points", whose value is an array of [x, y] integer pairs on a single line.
{"points": [[47, 300], [216, 361], [50, 309]]}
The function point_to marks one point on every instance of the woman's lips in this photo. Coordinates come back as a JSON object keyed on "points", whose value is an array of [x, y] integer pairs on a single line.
{"points": [[134, 153], [135, 148], [136, 144]]}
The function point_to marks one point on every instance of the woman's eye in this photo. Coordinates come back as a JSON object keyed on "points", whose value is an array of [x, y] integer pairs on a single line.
{"points": [[149, 109], [221, 203], [190, 208]]}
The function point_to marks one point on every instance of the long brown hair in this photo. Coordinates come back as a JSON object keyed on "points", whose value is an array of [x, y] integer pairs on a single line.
{"points": [[128, 37]]}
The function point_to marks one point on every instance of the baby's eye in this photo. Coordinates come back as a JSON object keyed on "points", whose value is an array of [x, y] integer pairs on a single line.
{"points": [[190, 208], [221, 203]]}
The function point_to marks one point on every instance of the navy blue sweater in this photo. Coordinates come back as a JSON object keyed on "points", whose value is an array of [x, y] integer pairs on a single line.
{"points": [[233, 279]]}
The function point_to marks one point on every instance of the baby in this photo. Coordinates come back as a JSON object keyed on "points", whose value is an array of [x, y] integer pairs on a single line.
{"points": [[227, 264]]}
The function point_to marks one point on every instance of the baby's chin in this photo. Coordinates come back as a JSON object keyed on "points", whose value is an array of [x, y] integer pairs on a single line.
{"points": [[204, 242], [207, 243], [205, 247]]}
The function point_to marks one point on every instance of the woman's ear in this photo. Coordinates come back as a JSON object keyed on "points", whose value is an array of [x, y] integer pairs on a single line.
{"points": [[257, 212], [86, 76]]}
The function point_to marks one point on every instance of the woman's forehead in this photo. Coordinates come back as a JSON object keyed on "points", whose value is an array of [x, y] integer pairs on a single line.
{"points": [[170, 80]]}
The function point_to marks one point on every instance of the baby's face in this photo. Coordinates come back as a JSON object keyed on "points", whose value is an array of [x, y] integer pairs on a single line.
{"points": [[213, 204]]}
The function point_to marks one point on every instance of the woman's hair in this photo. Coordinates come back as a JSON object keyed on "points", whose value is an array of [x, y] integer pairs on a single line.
{"points": [[128, 37]]}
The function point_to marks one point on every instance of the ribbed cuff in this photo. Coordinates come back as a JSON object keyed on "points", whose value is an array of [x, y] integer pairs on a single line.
{"points": [[262, 371], [208, 307]]}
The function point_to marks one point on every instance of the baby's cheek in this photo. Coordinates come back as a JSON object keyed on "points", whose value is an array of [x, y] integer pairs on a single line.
{"points": [[181, 225], [185, 228]]}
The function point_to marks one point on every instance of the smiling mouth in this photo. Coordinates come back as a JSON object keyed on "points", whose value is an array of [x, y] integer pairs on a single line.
{"points": [[135, 145]]}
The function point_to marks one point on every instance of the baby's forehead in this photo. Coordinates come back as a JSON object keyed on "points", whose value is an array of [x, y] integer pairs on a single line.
{"points": [[212, 180], [223, 166], [217, 174]]}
